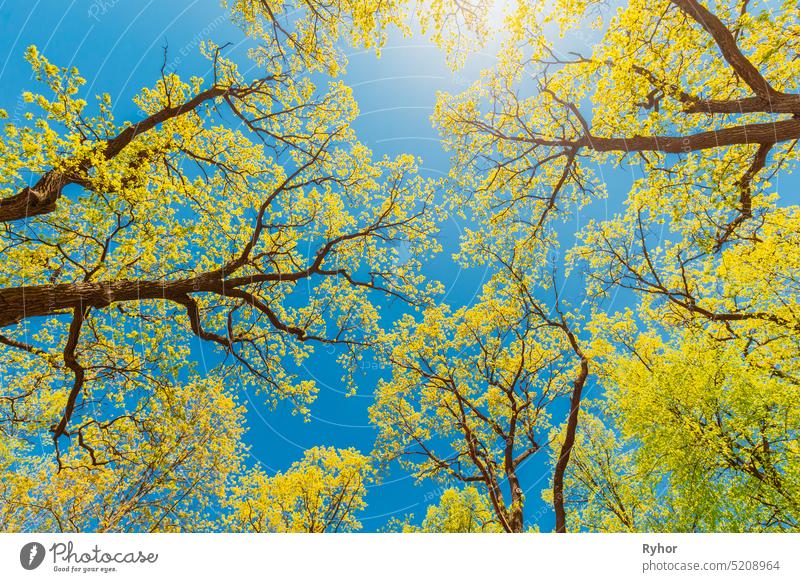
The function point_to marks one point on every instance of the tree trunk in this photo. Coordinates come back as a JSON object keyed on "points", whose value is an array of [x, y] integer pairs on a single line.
{"points": [[566, 447]]}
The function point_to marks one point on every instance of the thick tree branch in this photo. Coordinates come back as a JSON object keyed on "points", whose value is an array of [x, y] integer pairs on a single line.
{"points": [[41, 198], [728, 47], [745, 194], [747, 134], [753, 133], [569, 437], [789, 103], [71, 361], [779, 103]]}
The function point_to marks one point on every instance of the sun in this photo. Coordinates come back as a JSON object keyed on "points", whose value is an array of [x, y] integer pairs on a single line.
{"points": [[497, 13]]}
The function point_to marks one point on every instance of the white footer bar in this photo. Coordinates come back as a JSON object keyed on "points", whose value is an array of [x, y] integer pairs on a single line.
{"points": [[413, 557]]}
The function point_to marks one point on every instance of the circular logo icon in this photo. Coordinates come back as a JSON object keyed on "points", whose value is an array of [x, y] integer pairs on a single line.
{"points": [[31, 555]]}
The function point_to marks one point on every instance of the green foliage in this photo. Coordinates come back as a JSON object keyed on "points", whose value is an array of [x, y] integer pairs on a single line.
{"points": [[320, 493]]}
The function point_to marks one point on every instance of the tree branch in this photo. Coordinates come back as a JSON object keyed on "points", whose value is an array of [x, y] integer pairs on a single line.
{"points": [[42, 197], [72, 363], [728, 47]]}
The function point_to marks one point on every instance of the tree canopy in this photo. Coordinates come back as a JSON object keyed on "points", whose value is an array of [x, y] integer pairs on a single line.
{"points": [[242, 210]]}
